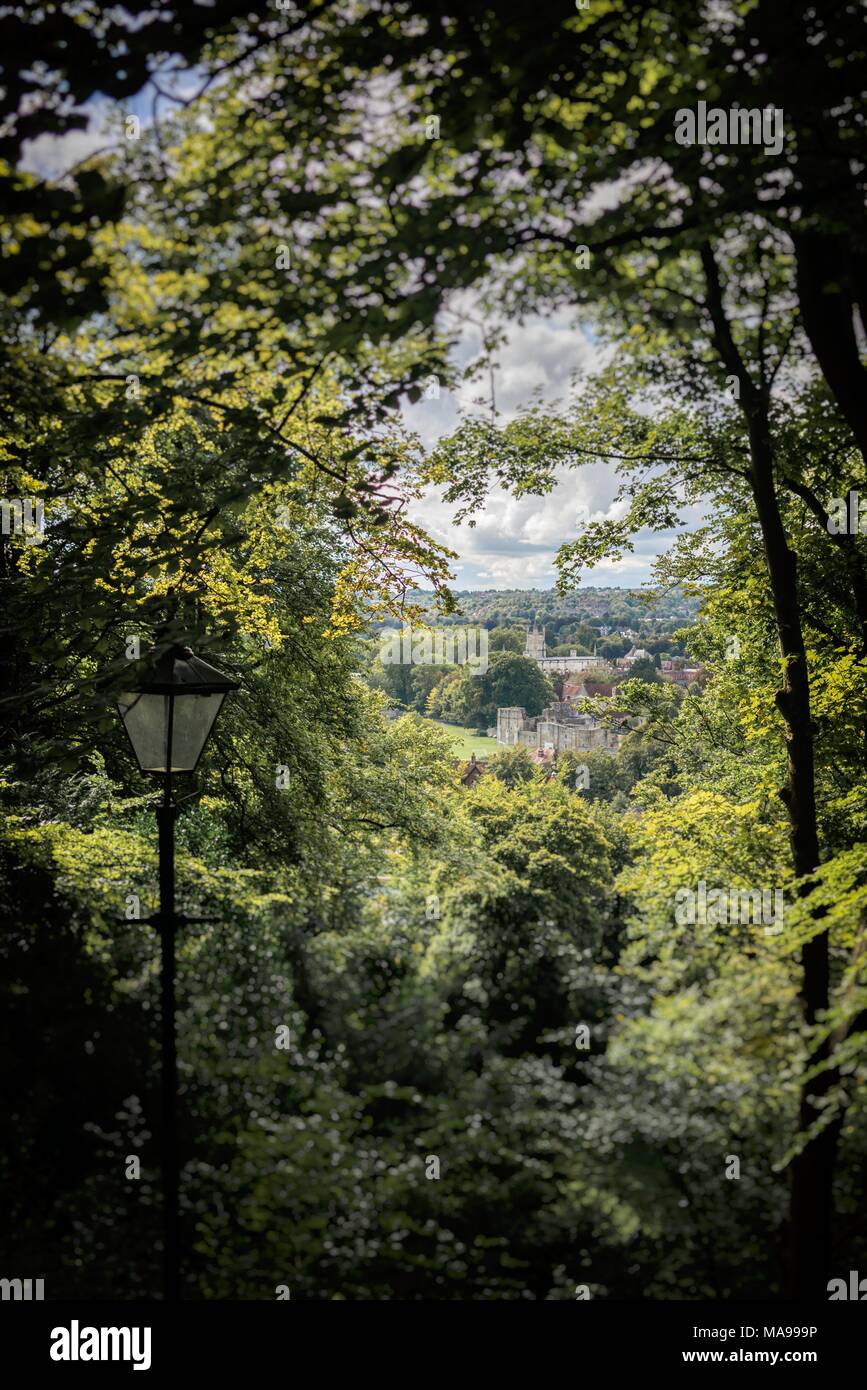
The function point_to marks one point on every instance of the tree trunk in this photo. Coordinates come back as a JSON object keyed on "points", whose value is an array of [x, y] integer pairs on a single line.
{"points": [[827, 307], [813, 1169]]}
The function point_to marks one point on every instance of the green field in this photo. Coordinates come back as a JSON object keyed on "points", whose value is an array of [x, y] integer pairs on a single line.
{"points": [[466, 741]]}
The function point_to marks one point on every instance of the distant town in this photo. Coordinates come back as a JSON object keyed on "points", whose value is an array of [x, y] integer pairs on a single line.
{"points": [[534, 674], [565, 725]]}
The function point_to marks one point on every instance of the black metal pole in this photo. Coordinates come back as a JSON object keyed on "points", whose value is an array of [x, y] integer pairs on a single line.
{"points": [[171, 1244]]}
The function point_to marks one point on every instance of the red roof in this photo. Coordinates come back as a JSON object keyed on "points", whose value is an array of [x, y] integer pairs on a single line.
{"points": [[544, 755]]}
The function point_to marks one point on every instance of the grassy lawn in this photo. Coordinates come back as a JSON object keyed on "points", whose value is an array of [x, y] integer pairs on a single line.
{"points": [[466, 741]]}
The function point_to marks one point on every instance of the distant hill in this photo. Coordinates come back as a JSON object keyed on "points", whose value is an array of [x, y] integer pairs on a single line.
{"points": [[615, 608]]}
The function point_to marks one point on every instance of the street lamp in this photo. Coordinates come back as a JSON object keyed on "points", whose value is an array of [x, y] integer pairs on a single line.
{"points": [[168, 716]]}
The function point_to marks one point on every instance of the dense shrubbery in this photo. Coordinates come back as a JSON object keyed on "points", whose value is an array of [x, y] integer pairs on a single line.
{"points": [[417, 1032], [511, 1067]]}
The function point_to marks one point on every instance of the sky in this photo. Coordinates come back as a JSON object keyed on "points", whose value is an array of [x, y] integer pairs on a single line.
{"points": [[514, 541]]}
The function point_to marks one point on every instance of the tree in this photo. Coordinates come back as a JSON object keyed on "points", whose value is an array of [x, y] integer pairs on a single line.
{"points": [[509, 680], [725, 455], [732, 270], [395, 680], [594, 773], [644, 669], [516, 680], [512, 765], [505, 639]]}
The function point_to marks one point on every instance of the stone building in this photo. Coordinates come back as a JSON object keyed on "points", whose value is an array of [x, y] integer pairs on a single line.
{"points": [[535, 649], [535, 644], [560, 726], [634, 654]]}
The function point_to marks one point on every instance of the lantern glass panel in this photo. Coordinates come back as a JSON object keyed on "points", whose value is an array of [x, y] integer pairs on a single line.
{"points": [[146, 719]]}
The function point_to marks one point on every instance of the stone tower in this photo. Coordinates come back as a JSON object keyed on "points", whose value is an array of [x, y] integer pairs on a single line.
{"points": [[510, 722], [535, 648]]}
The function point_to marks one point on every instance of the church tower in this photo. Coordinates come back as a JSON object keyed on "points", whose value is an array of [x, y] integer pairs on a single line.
{"points": [[535, 648]]}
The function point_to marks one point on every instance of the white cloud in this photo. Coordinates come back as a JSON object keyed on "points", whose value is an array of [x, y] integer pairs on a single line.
{"points": [[514, 540], [50, 156]]}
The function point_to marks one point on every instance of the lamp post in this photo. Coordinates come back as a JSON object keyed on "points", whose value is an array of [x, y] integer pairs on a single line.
{"points": [[168, 716]]}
